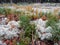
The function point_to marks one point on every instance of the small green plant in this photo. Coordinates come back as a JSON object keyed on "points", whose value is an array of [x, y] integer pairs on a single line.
{"points": [[52, 21], [28, 28], [24, 21], [55, 28], [2, 11], [55, 33], [8, 11]]}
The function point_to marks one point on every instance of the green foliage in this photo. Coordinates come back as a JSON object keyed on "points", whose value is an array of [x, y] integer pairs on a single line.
{"points": [[49, 15], [22, 43], [8, 11], [25, 41], [17, 12], [27, 27], [28, 31], [56, 33], [52, 21], [24, 21], [25, 24], [2, 11]]}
